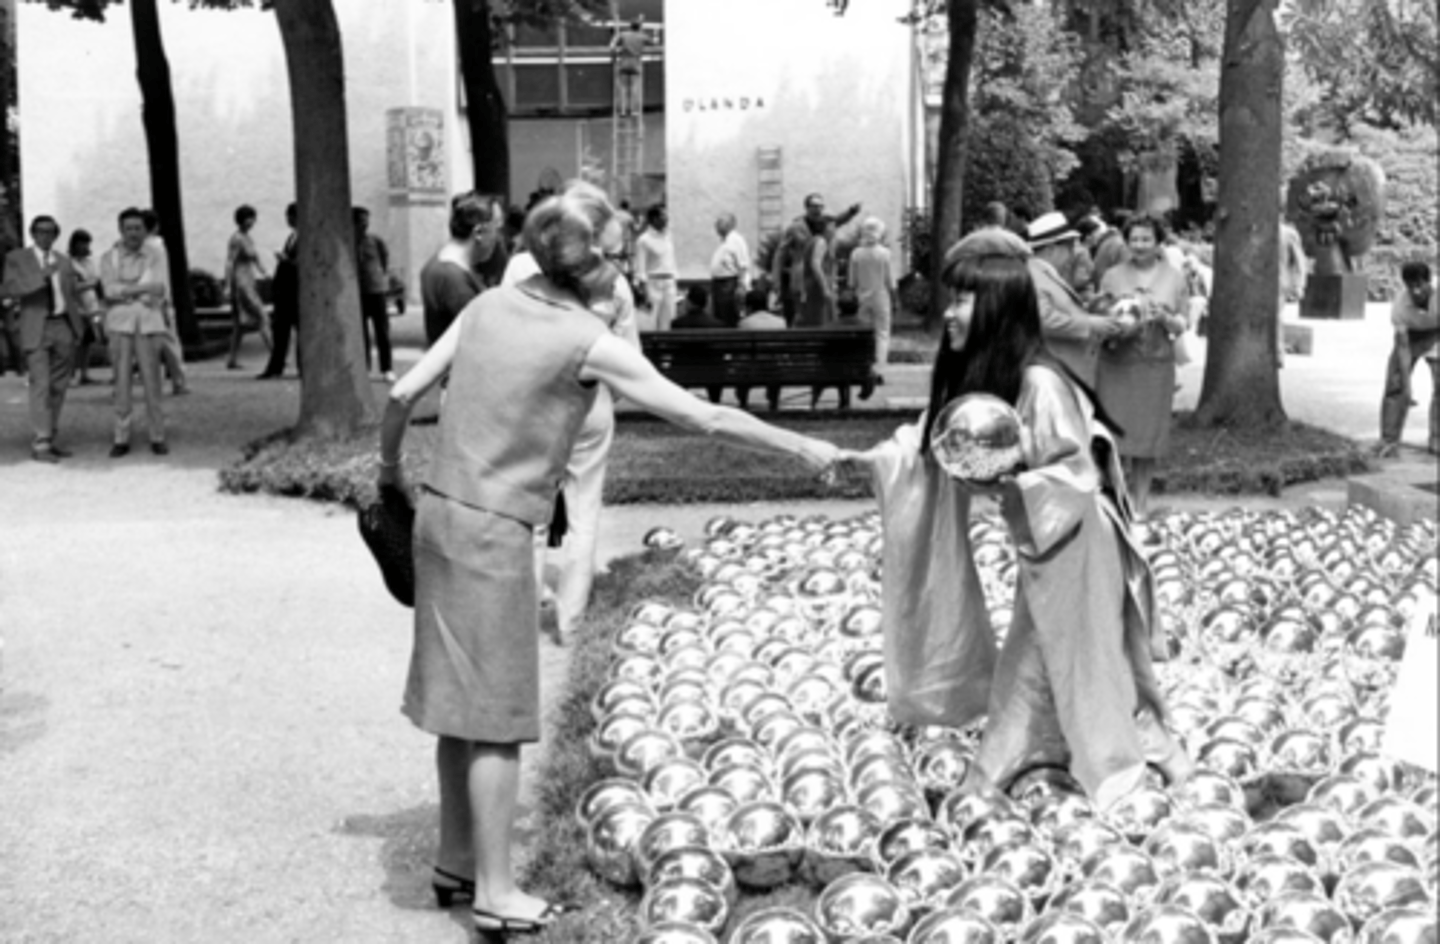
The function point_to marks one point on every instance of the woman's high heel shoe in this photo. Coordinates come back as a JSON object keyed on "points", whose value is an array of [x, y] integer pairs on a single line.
{"points": [[451, 889]]}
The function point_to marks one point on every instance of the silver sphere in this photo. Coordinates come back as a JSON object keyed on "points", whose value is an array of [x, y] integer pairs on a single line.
{"points": [[1063, 927], [611, 837], [777, 926], [976, 438], [840, 841], [861, 904], [1223, 823], [1373, 844], [1000, 902], [1028, 864], [667, 782], [663, 539], [1284, 936], [955, 926], [695, 862], [1100, 902], [664, 833], [763, 842], [1178, 846], [906, 836], [1373, 887], [1084, 838], [1127, 868], [1212, 899], [1399, 926], [605, 795], [1166, 924], [675, 932], [685, 900], [923, 877], [1310, 913], [1266, 877]]}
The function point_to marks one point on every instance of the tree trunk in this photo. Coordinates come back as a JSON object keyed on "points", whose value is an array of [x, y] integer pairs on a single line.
{"points": [[963, 18], [484, 105], [335, 396], [158, 113], [1242, 383]]}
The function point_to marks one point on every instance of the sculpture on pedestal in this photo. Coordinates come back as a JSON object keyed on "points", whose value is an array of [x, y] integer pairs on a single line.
{"points": [[1336, 200]]}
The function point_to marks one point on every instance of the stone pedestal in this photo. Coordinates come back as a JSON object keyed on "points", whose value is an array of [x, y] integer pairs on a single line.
{"points": [[419, 191], [1403, 494], [1334, 296]]}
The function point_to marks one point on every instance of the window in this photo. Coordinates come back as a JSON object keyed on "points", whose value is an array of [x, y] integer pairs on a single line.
{"points": [[566, 68], [589, 84], [537, 87]]}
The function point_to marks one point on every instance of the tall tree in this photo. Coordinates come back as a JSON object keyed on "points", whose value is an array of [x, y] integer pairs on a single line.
{"points": [[335, 397], [485, 109], [962, 21], [1377, 61], [157, 112], [1242, 384], [158, 115]]}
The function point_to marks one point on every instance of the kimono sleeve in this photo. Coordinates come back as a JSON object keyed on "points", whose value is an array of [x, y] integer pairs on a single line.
{"points": [[1061, 480]]}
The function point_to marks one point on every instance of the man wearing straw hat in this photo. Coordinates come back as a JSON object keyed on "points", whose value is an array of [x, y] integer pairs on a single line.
{"points": [[1072, 333]]}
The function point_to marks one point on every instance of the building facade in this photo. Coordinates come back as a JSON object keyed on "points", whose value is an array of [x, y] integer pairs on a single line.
{"points": [[747, 106]]}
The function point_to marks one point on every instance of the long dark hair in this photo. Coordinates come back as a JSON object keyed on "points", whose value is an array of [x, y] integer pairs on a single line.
{"points": [[1004, 338]]}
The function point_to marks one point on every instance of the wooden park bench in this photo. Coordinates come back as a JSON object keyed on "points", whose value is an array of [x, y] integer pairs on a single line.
{"points": [[716, 358]]}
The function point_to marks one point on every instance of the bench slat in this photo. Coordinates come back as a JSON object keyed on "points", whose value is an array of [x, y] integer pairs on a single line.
{"points": [[729, 357]]}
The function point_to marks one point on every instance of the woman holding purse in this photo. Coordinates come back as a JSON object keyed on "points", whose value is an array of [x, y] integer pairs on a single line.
{"points": [[523, 363]]}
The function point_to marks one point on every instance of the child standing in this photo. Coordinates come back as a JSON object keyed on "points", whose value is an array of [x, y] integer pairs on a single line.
{"points": [[872, 278]]}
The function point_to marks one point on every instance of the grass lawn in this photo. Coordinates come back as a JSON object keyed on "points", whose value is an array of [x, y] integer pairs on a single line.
{"points": [[653, 461]]}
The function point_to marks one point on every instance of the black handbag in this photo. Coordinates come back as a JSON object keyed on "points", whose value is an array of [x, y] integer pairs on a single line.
{"points": [[387, 526]]}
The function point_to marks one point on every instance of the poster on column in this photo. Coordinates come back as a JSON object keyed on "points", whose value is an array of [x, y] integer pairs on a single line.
{"points": [[415, 154]]}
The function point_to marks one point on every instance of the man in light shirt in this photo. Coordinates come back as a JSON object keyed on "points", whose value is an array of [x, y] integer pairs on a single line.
{"points": [[729, 271], [1416, 321], [655, 267]]}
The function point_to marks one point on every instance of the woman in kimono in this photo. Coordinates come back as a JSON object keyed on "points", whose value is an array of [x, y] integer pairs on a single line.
{"points": [[1074, 685]]}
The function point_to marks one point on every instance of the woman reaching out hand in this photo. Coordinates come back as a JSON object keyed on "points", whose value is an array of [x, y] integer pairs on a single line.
{"points": [[523, 362]]}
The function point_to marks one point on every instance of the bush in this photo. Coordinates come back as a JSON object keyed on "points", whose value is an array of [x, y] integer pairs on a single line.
{"points": [[653, 461], [1003, 165], [1411, 196], [207, 290]]}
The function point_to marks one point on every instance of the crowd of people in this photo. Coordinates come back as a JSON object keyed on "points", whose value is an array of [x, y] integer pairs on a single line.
{"points": [[65, 304], [1118, 303]]}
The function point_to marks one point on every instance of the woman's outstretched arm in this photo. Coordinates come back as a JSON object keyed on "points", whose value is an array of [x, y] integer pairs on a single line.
{"points": [[626, 371]]}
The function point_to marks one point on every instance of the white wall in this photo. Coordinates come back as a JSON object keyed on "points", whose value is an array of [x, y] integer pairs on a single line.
{"points": [[837, 98], [83, 154]]}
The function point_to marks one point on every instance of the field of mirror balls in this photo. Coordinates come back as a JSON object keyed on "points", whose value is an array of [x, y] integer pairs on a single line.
{"points": [[749, 747]]}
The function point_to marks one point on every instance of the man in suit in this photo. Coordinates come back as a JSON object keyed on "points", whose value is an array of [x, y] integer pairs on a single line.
{"points": [[42, 282], [1072, 333], [285, 295]]}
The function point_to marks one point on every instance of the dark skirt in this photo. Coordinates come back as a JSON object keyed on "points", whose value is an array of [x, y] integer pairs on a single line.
{"points": [[475, 666], [1138, 394]]}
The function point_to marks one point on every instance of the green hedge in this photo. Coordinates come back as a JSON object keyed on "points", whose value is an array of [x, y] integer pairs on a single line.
{"points": [[654, 462]]}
